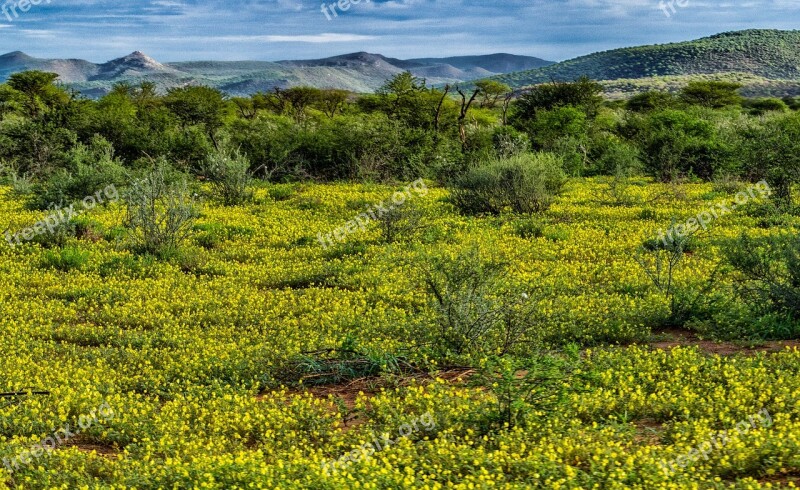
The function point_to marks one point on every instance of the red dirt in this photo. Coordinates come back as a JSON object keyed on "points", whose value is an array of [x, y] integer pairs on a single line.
{"points": [[685, 338]]}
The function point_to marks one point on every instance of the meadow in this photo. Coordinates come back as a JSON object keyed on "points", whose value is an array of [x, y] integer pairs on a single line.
{"points": [[254, 357]]}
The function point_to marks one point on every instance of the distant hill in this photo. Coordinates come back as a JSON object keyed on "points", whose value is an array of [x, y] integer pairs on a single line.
{"points": [[358, 72], [766, 54]]}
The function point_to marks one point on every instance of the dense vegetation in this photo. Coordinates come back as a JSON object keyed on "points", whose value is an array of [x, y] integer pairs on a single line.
{"points": [[768, 54], [444, 284]]}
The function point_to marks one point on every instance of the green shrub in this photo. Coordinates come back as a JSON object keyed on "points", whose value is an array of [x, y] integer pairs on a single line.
{"points": [[524, 184], [229, 174], [509, 142], [90, 170], [529, 228], [281, 192], [473, 313], [768, 272], [400, 223], [525, 389], [160, 215], [65, 259]]}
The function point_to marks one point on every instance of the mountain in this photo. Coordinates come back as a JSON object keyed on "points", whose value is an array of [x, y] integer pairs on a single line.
{"points": [[135, 65], [358, 72], [496, 63], [764, 54], [69, 69], [766, 62]]}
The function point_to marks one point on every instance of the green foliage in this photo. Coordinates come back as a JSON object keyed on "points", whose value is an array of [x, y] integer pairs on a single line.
{"points": [[197, 105], [650, 101], [712, 94], [760, 107], [527, 183], [661, 260], [491, 92], [769, 272], [675, 143], [582, 93], [473, 314], [65, 259], [347, 362], [90, 171], [400, 222], [160, 213], [36, 90], [771, 151], [229, 173], [526, 389]]}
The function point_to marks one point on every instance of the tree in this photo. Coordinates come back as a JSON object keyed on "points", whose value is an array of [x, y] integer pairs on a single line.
{"points": [[676, 142], [245, 107], [651, 100], [492, 91], [712, 94], [8, 98], [772, 152], [197, 105], [332, 101], [400, 97], [36, 89], [583, 93]]}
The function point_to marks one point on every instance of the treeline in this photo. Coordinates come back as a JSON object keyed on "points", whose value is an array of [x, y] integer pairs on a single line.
{"points": [[66, 145]]}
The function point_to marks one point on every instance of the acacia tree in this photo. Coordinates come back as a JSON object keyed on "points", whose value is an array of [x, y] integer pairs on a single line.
{"points": [[772, 153], [492, 91], [583, 93], [332, 101], [712, 94], [197, 105], [37, 90]]}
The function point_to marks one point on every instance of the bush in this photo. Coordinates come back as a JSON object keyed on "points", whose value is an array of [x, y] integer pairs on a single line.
{"points": [[759, 107], [509, 142], [768, 272], [90, 169], [400, 222], [525, 389], [81, 228], [473, 314], [66, 259], [525, 184], [160, 214], [529, 228], [229, 174]]}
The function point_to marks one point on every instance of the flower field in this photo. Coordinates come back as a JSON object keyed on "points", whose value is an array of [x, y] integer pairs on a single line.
{"points": [[191, 353]]}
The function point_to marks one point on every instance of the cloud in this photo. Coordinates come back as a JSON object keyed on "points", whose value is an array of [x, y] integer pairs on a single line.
{"points": [[175, 30], [301, 38]]}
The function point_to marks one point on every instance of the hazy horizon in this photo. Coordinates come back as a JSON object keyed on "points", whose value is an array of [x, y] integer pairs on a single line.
{"points": [[202, 30]]}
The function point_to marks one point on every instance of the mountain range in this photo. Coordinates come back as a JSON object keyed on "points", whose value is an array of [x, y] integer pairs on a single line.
{"points": [[766, 62], [358, 72]]}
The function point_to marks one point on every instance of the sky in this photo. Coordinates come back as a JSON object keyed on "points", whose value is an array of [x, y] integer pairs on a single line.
{"points": [[188, 30]]}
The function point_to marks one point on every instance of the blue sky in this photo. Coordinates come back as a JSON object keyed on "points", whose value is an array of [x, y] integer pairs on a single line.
{"points": [[179, 30]]}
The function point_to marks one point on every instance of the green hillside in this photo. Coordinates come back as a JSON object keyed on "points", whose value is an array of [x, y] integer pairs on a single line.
{"points": [[770, 54]]}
